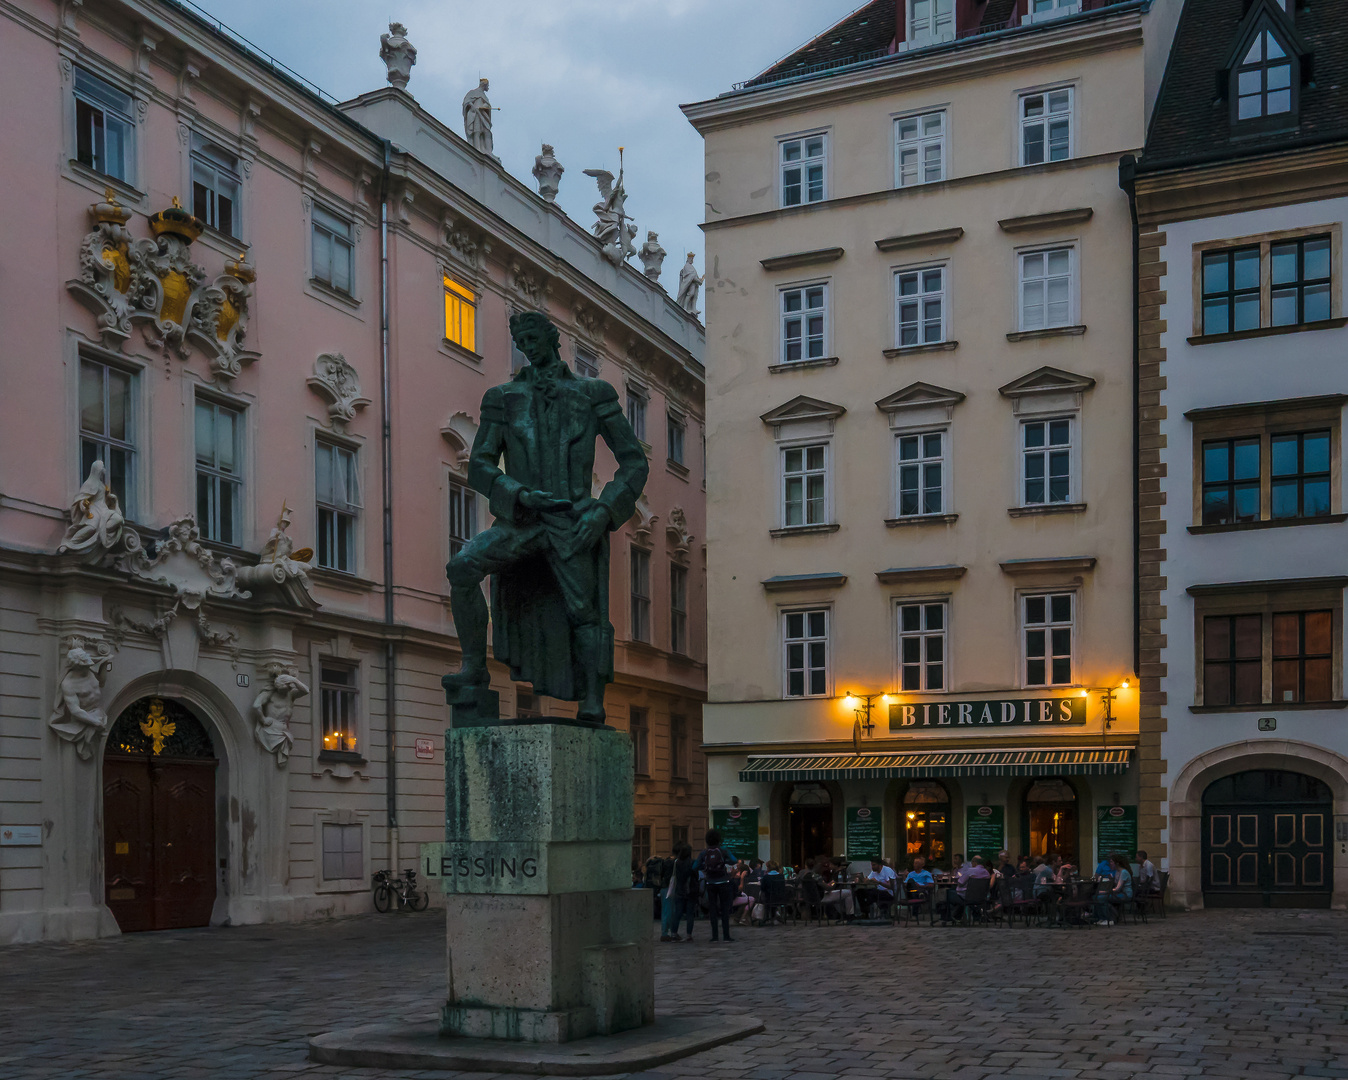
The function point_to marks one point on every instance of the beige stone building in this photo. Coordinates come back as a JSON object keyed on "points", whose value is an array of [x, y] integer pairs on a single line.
{"points": [[921, 526]]}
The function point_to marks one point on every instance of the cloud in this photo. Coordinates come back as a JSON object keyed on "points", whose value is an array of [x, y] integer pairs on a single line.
{"points": [[586, 76]]}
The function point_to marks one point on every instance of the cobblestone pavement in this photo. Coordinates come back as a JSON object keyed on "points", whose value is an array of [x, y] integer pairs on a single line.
{"points": [[1245, 995]]}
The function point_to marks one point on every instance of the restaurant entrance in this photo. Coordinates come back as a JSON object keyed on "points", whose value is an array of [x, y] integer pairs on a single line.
{"points": [[1266, 841], [926, 822], [1051, 819], [810, 816]]}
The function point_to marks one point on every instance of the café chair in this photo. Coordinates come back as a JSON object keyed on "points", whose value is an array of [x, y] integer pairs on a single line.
{"points": [[911, 902], [1078, 902], [977, 899], [774, 900], [812, 897], [1018, 900]]}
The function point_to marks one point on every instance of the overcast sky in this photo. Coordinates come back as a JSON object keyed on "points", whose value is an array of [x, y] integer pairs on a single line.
{"points": [[587, 76]]}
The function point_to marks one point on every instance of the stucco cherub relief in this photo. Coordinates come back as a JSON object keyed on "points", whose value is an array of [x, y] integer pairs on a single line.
{"points": [[336, 382], [79, 717]]}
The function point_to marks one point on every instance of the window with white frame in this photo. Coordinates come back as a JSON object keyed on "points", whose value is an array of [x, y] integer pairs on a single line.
{"points": [[1042, 10], [805, 485], [105, 127], [919, 306], [637, 400], [585, 364], [804, 323], [919, 149], [922, 647], [334, 250], [338, 496], [338, 695], [1046, 461], [641, 594], [1047, 625], [462, 516], [219, 454], [805, 653], [343, 852], [931, 20], [921, 474], [215, 186], [1046, 288], [108, 428], [802, 164], [1046, 126]]}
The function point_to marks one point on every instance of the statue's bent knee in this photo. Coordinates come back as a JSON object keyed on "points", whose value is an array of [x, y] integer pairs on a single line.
{"points": [[463, 573]]}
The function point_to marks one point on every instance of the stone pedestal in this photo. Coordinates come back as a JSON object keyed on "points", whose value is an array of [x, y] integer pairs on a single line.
{"points": [[546, 940]]}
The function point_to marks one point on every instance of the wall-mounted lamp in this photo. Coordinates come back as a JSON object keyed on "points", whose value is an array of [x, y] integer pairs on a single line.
{"points": [[862, 704]]}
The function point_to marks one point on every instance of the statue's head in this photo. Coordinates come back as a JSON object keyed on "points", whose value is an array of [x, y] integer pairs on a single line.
{"points": [[535, 336], [652, 235], [547, 148], [484, 84], [78, 657]]}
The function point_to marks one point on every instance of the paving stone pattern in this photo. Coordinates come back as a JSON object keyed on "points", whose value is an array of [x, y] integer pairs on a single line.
{"points": [[1243, 995]]}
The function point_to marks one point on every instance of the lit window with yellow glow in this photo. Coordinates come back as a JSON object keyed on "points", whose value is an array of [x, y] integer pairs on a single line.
{"points": [[460, 315]]}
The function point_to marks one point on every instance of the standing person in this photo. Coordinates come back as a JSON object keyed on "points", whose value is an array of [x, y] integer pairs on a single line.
{"points": [[684, 890], [658, 872], [665, 885], [715, 862]]}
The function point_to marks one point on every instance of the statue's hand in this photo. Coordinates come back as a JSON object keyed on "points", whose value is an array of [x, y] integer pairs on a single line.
{"points": [[593, 524], [543, 501]]}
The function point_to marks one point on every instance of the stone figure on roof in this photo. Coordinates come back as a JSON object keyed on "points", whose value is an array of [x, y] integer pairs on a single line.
{"points": [[612, 228], [652, 256], [548, 172], [689, 283], [398, 54], [477, 110], [547, 553]]}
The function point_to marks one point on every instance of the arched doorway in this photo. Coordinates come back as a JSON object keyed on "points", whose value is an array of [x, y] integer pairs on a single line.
{"points": [[159, 818], [810, 816], [1266, 840], [1051, 819], [926, 822]]}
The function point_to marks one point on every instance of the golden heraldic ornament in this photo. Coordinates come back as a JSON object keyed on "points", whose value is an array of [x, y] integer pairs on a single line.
{"points": [[157, 726]]}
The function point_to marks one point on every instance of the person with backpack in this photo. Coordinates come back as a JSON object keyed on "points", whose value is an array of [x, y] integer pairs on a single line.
{"points": [[657, 877], [716, 862]]}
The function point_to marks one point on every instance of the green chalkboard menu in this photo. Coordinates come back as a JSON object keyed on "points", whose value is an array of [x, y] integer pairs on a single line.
{"points": [[739, 830], [984, 832], [863, 833], [1116, 830]]}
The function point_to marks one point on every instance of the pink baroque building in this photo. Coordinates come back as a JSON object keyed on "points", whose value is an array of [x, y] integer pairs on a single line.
{"points": [[244, 363]]}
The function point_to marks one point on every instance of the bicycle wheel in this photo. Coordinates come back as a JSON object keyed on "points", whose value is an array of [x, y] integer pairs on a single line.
{"points": [[381, 897], [421, 901]]}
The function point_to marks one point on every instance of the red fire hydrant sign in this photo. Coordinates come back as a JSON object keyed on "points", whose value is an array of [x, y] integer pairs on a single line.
{"points": [[425, 749]]}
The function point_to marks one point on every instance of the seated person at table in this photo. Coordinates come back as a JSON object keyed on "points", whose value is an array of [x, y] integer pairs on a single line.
{"points": [[919, 875], [1004, 867], [957, 864], [755, 872], [1148, 881], [822, 874], [1104, 868], [1120, 891], [886, 881], [968, 872], [1043, 875]]}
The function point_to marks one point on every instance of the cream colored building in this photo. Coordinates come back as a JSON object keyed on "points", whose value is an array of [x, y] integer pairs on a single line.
{"points": [[920, 433]]}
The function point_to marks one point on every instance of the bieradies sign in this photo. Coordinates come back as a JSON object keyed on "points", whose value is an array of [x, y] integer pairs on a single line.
{"points": [[1025, 712]]}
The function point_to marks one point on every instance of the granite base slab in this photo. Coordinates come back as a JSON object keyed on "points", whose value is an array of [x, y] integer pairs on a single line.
{"points": [[421, 1046]]}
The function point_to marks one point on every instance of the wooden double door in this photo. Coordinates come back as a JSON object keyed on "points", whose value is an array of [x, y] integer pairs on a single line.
{"points": [[1266, 841]]}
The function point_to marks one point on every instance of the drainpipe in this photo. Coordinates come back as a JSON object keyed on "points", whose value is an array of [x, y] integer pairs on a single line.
{"points": [[1127, 176], [386, 458]]}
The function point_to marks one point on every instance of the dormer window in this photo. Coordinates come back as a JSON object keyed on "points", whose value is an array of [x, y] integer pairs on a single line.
{"points": [[931, 20], [1264, 79]]}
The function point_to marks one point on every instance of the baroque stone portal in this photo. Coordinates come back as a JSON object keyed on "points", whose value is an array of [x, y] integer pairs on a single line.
{"points": [[547, 551]]}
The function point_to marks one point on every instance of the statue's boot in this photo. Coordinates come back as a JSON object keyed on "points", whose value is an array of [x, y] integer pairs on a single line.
{"points": [[469, 608], [590, 642]]}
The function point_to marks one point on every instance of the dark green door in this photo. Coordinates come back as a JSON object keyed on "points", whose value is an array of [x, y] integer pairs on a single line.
{"points": [[1266, 841]]}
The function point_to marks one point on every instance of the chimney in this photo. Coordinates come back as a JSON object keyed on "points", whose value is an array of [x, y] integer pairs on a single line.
{"points": [[900, 23]]}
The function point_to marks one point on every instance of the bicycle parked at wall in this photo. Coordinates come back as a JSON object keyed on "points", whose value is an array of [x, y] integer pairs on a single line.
{"points": [[404, 888]]}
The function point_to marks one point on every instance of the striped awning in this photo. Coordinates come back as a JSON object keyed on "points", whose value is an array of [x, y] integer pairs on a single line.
{"points": [[922, 763]]}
